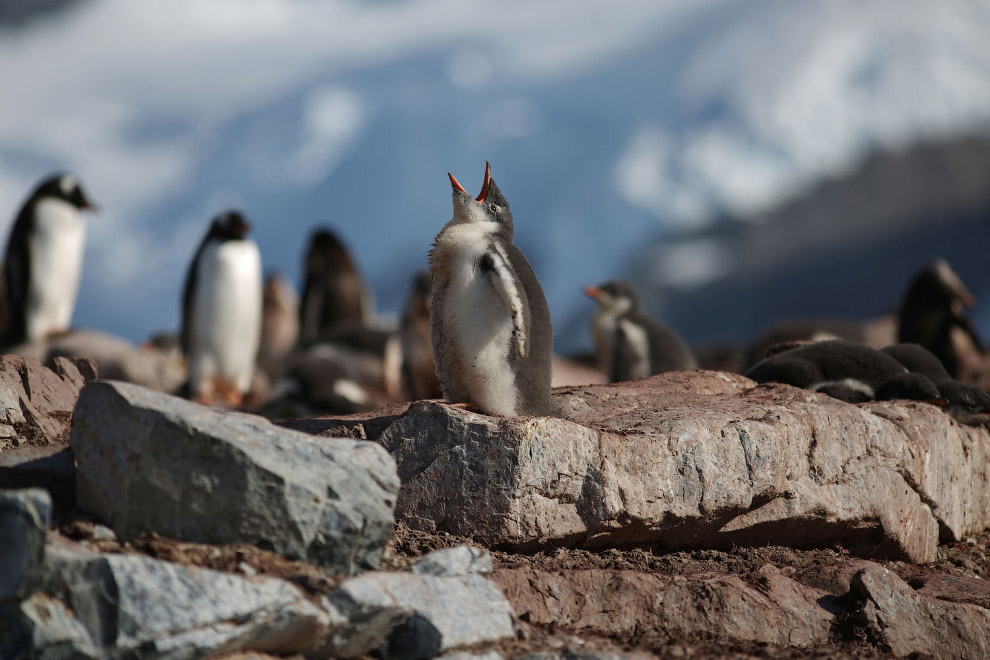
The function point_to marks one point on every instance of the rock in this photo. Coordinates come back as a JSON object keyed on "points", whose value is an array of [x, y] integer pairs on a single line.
{"points": [[116, 358], [43, 628], [25, 516], [462, 560], [152, 462], [467, 655], [617, 603], [409, 616], [51, 467], [36, 402], [130, 606], [905, 622], [687, 460]]}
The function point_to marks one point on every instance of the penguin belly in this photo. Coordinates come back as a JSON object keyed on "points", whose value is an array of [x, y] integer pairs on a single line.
{"points": [[482, 338], [226, 327], [56, 251]]}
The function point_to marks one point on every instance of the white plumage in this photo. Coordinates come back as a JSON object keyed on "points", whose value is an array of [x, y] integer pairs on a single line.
{"points": [[56, 246], [225, 327]]}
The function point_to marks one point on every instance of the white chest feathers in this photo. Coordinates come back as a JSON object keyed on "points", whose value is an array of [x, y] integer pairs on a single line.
{"points": [[226, 313], [56, 245], [474, 356]]}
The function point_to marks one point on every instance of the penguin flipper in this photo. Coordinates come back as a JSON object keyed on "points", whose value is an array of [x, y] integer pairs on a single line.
{"points": [[17, 273], [503, 281]]}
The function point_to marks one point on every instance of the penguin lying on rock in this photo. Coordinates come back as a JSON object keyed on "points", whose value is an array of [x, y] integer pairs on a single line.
{"points": [[629, 344], [490, 325], [967, 403]]}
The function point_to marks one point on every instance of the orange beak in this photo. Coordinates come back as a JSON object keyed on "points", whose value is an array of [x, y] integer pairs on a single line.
{"points": [[457, 184], [592, 292], [486, 185]]}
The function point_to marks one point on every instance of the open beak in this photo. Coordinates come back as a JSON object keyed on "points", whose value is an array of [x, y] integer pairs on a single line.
{"points": [[592, 292], [457, 184], [486, 185]]}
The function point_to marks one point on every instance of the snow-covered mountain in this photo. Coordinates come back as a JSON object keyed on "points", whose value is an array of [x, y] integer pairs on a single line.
{"points": [[609, 126]]}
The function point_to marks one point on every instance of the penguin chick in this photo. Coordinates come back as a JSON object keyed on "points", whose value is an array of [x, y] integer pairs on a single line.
{"points": [[966, 403], [221, 312], [279, 325], [933, 315], [43, 260], [334, 294], [490, 325], [418, 371], [628, 343], [843, 369]]}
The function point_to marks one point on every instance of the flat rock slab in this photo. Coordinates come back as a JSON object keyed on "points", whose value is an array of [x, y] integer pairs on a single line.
{"points": [[150, 462], [36, 402], [689, 459]]}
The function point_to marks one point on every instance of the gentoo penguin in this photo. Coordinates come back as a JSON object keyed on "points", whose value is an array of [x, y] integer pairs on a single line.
{"points": [[628, 343], [279, 325], [490, 324], [418, 371], [334, 294], [967, 403], [44, 260], [221, 312], [845, 370], [932, 315], [802, 329]]}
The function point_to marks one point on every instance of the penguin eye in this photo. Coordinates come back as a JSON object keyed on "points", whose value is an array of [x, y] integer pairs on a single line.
{"points": [[493, 208]]}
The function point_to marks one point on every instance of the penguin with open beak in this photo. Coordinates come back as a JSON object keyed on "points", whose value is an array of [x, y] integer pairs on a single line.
{"points": [[489, 321], [628, 343]]}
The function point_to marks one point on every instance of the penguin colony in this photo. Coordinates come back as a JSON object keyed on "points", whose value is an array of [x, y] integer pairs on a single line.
{"points": [[476, 329]]}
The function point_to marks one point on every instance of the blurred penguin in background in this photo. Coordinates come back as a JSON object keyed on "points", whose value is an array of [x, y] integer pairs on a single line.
{"points": [[221, 312], [334, 296], [279, 325], [933, 315], [43, 260], [628, 343], [419, 374]]}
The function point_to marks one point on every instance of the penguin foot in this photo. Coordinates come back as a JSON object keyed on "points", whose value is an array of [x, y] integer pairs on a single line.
{"points": [[228, 393]]}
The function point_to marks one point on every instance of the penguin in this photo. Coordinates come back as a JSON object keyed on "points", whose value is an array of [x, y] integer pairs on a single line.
{"points": [[489, 322], [279, 325], [221, 312], [43, 260], [845, 370], [334, 293], [966, 403], [629, 344], [802, 329], [418, 372], [932, 314]]}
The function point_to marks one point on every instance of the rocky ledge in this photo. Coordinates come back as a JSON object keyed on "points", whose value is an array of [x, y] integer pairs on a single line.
{"points": [[689, 460], [691, 514]]}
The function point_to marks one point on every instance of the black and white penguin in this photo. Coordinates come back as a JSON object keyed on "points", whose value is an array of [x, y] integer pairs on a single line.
{"points": [[221, 312], [490, 325], [419, 374], [845, 370], [43, 260], [967, 403], [629, 344], [932, 314], [334, 293]]}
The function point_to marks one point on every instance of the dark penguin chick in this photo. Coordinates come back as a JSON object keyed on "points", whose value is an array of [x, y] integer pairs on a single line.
{"points": [[802, 330], [315, 385], [43, 260], [932, 314], [966, 403], [418, 371], [835, 366], [629, 344], [489, 321], [910, 386], [334, 294], [918, 359], [221, 312]]}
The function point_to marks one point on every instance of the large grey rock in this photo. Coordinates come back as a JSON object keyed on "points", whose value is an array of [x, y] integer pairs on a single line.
{"points": [[124, 606], [904, 622], [152, 462], [462, 560], [36, 402], [25, 516], [408, 616], [691, 459]]}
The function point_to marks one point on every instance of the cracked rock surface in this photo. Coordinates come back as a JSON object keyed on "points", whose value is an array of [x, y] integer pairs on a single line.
{"points": [[690, 459]]}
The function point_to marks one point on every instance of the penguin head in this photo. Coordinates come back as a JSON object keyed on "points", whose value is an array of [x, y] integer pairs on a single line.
{"points": [[422, 283], [328, 254], [615, 297], [66, 188], [938, 286], [229, 226], [489, 208]]}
